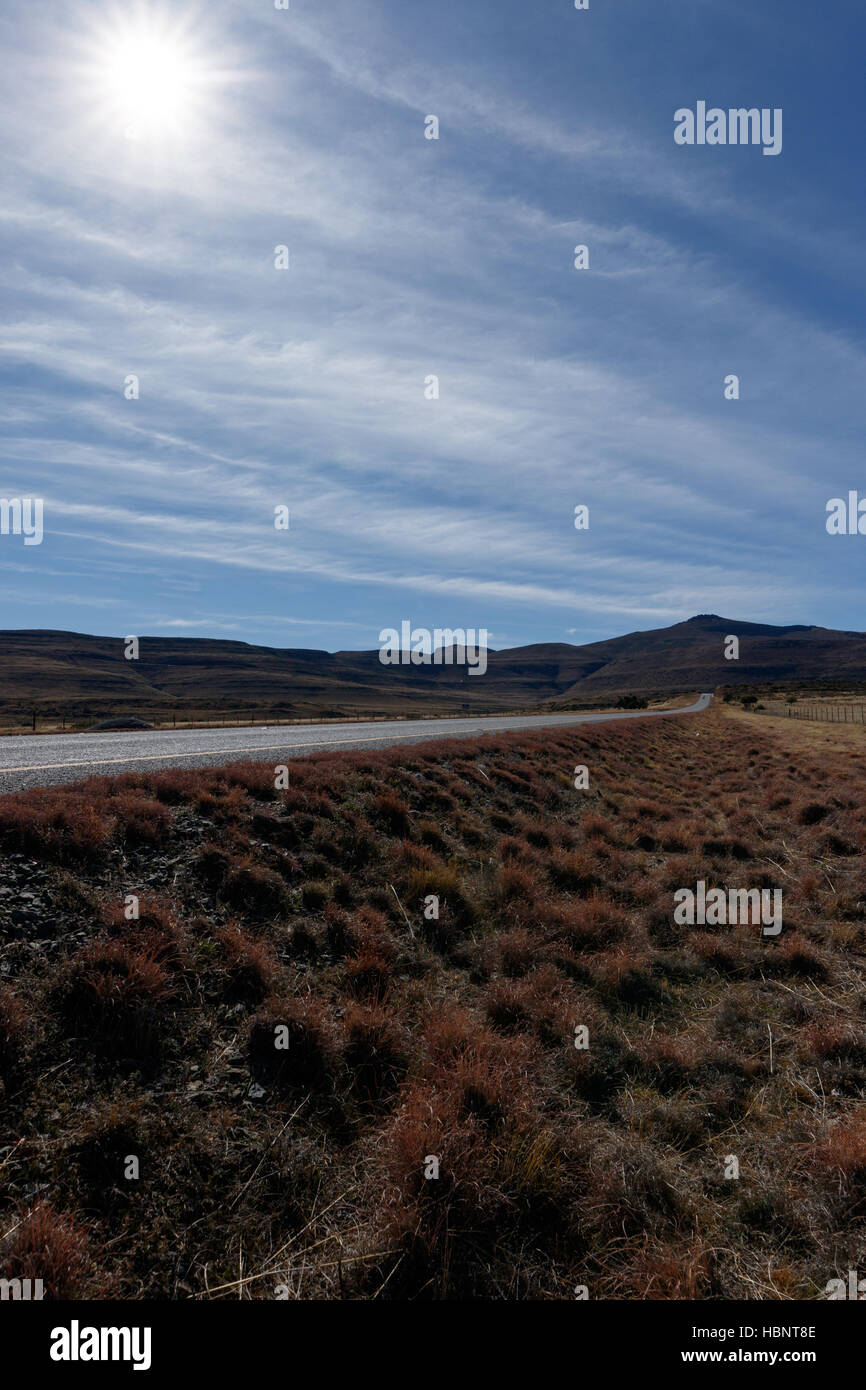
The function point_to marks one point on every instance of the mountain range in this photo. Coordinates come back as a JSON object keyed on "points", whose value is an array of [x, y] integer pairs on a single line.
{"points": [[53, 672]]}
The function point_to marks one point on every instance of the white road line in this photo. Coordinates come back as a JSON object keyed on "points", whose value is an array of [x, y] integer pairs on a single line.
{"points": [[205, 752]]}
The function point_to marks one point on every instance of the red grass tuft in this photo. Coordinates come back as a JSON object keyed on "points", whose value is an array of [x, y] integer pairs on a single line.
{"points": [[112, 995], [307, 1059], [251, 970], [40, 1244], [375, 1052]]}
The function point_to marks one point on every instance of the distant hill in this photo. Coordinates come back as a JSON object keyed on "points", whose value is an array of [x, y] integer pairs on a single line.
{"points": [[691, 655], [83, 675]]}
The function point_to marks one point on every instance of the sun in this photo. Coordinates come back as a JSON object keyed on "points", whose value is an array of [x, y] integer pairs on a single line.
{"points": [[149, 79]]}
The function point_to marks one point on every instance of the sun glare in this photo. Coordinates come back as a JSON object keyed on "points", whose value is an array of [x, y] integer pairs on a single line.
{"points": [[150, 80]]}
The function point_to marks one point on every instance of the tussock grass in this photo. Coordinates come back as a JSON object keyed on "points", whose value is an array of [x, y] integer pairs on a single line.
{"points": [[412, 1036]]}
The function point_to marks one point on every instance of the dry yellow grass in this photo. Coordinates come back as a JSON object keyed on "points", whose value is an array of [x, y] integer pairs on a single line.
{"points": [[801, 735]]}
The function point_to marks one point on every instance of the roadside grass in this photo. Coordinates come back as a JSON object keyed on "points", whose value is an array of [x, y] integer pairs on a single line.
{"points": [[339, 1038]]}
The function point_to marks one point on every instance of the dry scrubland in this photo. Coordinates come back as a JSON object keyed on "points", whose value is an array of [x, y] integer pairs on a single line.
{"points": [[559, 1167]]}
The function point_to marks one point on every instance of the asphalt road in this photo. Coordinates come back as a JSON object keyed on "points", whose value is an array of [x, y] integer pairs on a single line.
{"points": [[41, 760]]}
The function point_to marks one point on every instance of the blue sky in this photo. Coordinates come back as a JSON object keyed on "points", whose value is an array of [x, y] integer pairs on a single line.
{"points": [[153, 255]]}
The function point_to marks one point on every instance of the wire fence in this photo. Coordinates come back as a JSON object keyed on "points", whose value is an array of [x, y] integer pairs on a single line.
{"points": [[212, 719], [39, 721], [822, 713]]}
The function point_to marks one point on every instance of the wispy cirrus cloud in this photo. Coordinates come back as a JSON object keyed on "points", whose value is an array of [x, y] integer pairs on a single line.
{"points": [[411, 258]]}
